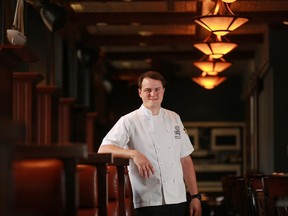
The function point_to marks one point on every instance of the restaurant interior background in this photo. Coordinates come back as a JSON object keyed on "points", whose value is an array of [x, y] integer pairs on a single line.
{"points": [[94, 52]]}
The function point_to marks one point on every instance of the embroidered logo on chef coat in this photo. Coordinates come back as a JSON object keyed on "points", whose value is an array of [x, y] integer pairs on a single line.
{"points": [[177, 132]]}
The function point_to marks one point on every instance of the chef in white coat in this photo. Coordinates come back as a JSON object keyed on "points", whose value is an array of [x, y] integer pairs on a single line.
{"points": [[155, 141]]}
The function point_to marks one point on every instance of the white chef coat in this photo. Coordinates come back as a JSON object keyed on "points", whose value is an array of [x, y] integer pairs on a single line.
{"points": [[162, 139]]}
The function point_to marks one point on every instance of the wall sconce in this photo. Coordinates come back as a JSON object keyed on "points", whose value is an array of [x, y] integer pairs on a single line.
{"points": [[208, 82], [221, 20], [15, 35], [54, 16], [212, 66], [215, 47]]}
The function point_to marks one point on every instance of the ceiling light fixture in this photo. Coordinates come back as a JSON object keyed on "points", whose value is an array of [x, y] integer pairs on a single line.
{"points": [[215, 47], [145, 33], [54, 16], [221, 20], [15, 35], [208, 82], [212, 66], [228, 1]]}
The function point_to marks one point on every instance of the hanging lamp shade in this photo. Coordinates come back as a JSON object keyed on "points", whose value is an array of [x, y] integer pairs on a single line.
{"points": [[215, 47], [222, 20], [208, 82], [54, 16], [229, 1], [212, 66], [221, 24]]}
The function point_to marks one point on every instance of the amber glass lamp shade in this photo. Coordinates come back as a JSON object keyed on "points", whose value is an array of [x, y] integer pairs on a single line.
{"points": [[220, 24], [215, 47], [228, 1], [222, 20], [212, 66], [208, 82]]}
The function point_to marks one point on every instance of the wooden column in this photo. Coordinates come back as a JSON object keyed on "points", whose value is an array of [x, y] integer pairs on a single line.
{"points": [[47, 115], [10, 57], [78, 123], [90, 116], [24, 102], [6, 93], [64, 120], [120, 164]]}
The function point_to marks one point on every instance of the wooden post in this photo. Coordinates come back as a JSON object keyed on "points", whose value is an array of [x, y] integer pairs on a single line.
{"points": [[90, 116], [24, 106], [47, 115], [64, 120]]}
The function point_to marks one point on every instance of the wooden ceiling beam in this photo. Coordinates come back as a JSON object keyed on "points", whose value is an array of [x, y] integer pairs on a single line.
{"points": [[158, 18], [173, 55], [258, 17], [180, 40], [123, 18]]}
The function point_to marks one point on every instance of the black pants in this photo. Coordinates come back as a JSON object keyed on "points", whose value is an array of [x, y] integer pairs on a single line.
{"points": [[164, 210]]}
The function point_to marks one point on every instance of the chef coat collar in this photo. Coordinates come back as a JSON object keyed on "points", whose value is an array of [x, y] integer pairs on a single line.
{"points": [[148, 113]]}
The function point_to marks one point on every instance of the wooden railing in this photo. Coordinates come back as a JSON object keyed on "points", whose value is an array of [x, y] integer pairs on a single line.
{"points": [[101, 161]]}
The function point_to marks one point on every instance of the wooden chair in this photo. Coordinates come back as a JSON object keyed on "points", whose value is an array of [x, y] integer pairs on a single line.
{"points": [[29, 168], [129, 206], [94, 168], [230, 196], [226, 185], [275, 188], [104, 186], [119, 191], [236, 195], [88, 191], [39, 187], [125, 198], [242, 195], [36, 180], [256, 194]]}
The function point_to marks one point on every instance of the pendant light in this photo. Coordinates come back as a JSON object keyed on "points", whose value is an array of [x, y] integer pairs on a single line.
{"points": [[221, 20], [208, 81], [214, 46], [16, 35], [54, 16], [212, 66]]}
